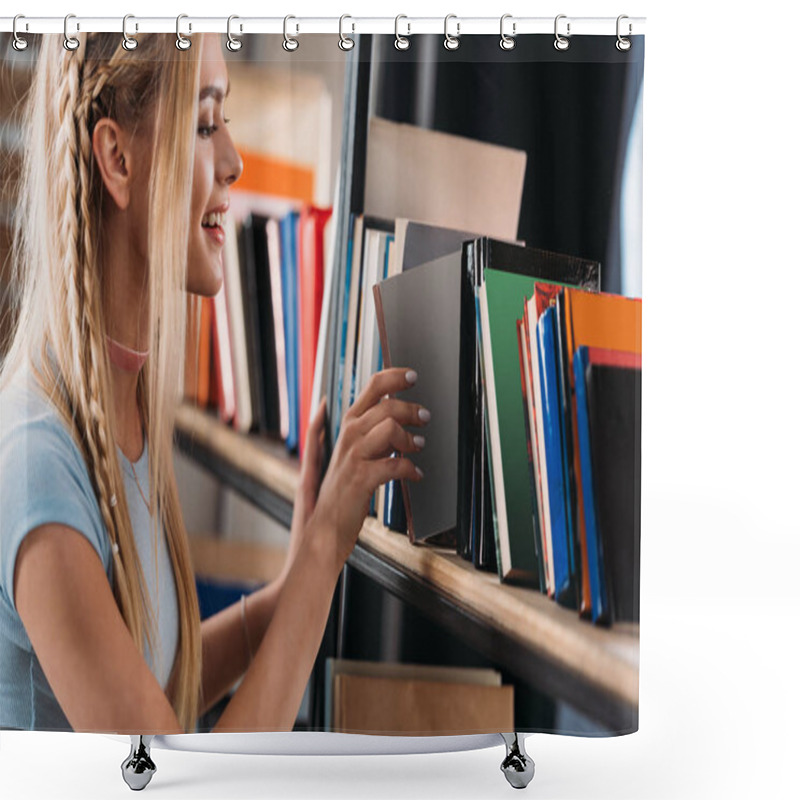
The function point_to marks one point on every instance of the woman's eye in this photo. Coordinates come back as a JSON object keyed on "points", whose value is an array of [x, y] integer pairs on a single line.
{"points": [[207, 130]]}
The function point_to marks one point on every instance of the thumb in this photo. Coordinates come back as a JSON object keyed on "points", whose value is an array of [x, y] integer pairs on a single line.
{"points": [[313, 448]]}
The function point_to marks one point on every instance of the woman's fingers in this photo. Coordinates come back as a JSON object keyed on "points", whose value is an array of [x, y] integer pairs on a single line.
{"points": [[401, 410], [389, 469], [387, 436], [387, 381]]}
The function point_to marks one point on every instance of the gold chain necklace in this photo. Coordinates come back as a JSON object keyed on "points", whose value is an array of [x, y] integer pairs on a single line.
{"points": [[138, 485]]}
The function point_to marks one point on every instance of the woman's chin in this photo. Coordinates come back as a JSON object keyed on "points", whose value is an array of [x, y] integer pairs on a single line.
{"points": [[206, 283]]}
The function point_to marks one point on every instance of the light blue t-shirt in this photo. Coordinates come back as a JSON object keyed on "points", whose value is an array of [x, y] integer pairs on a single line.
{"points": [[43, 478]]}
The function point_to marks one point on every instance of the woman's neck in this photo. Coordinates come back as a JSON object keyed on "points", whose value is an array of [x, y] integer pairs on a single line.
{"points": [[126, 311]]}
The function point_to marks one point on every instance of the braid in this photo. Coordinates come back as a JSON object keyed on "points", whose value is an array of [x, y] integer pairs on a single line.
{"points": [[85, 320]]}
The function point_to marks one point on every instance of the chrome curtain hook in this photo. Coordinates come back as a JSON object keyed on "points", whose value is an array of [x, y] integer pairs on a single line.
{"points": [[71, 43], [451, 42], [561, 43], [18, 43], [623, 44], [401, 42], [128, 42], [507, 42], [345, 42], [182, 43], [233, 44], [290, 43]]}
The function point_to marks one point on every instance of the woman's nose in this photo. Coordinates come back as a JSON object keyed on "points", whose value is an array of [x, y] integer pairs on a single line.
{"points": [[230, 162]]}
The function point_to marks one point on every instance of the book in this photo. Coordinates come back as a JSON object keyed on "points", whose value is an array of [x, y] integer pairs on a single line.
{"points": [[595, 319], [232, 286], [222, 358], [289, 280], [312, 277], [524, 265], [408, 699], [608, 405], [418, 316], [276, 297], [441, 179]]}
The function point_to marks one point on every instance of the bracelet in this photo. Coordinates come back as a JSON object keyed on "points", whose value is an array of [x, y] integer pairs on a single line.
{"points": [[246, 633]]}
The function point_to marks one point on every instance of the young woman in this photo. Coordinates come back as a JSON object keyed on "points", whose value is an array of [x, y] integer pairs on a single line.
{"points": [[125, 182]]}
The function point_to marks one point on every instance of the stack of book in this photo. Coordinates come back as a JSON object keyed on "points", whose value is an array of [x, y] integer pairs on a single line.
{"points": [[531, 460]]}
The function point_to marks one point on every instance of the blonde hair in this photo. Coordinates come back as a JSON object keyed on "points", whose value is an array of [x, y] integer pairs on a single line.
{"points": [[61, 329]]}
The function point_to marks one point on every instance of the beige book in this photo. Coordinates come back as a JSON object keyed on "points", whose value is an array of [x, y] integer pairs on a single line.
{"points": [[441, 179], [401, 707]]}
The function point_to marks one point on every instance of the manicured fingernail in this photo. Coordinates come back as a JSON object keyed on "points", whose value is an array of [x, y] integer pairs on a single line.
{"points": [[419, 472], [425, 415], [411, 376], [419, 441]]}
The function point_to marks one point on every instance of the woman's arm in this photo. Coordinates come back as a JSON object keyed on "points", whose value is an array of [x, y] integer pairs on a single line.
{"points": [[100, 679], [225, 649]]}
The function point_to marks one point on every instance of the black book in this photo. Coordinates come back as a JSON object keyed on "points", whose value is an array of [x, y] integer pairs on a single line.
{"points": [[614, 399], [477, 255], [248, 268], [266, 329]]}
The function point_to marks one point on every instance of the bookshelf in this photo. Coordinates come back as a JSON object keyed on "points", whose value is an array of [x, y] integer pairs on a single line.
{"points": [[595, 670]]}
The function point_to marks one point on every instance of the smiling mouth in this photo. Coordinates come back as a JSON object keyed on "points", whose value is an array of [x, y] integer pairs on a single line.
{"points": [[213, 224]]}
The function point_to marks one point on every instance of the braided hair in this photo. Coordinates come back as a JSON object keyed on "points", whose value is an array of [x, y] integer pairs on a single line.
{"points": [[58, 253]]}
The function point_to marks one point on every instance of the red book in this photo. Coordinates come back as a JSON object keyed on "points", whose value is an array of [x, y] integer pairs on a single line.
{"points": [[312, 281]]}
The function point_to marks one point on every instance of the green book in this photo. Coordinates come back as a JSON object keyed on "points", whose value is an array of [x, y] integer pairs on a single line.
{"points": [[501, 298]]}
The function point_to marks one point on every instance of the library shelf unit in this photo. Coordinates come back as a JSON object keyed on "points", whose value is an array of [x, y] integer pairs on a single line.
{"points": [[595, 670]]}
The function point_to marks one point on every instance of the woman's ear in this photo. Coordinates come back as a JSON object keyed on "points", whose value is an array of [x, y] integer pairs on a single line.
{"points": [[111, 146]]}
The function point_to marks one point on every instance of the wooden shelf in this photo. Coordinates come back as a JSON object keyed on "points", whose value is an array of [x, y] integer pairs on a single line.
{"points": [[594, 669]]}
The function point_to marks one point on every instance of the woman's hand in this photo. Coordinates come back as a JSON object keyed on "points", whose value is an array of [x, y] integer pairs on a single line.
{"points": [[371, 430], [306, 495]]}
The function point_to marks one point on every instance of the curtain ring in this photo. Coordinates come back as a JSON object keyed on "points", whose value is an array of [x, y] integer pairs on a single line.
{"points": [[401, 42], [623, 44], [345, 42], [233, 44], [182, 43], [71, 43], [128, 42], [451, 42], [561, 43], [290, 43], [507, 42], [18, 43]]}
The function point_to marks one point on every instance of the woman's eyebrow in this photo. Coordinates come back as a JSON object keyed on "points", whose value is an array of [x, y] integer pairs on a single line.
{"points": [[214, 92]]}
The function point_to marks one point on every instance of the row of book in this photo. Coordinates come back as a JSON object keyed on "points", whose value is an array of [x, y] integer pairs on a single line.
{"points": [[255, 349], [532, 468]]}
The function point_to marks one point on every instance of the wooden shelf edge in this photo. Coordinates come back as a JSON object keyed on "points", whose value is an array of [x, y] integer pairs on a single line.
{"points": [[607, 659]]}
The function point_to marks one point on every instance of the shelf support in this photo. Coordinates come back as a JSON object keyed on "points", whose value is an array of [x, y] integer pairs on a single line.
{"points": [[138, 768], [517, 766]]}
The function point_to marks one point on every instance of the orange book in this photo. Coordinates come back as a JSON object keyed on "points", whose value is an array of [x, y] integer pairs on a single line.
{"points": [[312, 280], [204, 353], [267, 175], [595, 319]]}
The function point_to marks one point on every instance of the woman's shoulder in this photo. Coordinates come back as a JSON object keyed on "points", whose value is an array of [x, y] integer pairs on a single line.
{"points": [[27, 415]]}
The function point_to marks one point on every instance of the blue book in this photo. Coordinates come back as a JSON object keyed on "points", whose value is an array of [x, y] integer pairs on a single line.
{"points": [[546, 336], [594, 547], [289, 276], [337, 413]]}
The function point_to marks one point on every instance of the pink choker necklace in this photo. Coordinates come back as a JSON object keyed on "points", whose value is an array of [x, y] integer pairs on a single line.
{"points": [[124, 358]]}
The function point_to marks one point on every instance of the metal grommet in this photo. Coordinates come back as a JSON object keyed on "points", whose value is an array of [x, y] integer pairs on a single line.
{"points": [[623, 44], [182, 43], [233, 44], [128, 42], [401, 42], [71, 43], [290, 43], [345, 42], [561, 43], [451, 42], [507, 42], [18, 43]]}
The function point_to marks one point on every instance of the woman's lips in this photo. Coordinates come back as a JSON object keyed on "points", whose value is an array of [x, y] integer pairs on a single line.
{"points": [[216, 234]]}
